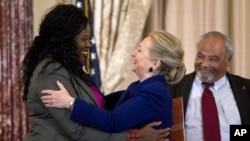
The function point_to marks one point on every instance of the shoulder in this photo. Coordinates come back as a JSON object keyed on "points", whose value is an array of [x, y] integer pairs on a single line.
{"points": [[153, 85], [51, 67], [237, 78], [156, 82], [238, 83], [188, 77], [186, 80], [156, 87]]}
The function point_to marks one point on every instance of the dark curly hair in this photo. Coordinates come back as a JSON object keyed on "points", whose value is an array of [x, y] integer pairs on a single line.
{"points": [[56, 40]]}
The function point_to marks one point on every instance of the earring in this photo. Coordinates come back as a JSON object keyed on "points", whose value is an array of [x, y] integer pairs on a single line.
{"points": [[150, 69]]}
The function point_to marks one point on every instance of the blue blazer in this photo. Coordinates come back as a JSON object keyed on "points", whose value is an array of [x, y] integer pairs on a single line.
{"points": [[141, 103]]}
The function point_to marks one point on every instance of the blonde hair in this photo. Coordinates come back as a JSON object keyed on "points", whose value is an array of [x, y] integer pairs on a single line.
{"points": [[168, 49]]}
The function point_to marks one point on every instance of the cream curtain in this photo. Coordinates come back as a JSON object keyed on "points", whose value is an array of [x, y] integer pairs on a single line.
{"points": [[186, 19], [239, 31], [120, 26]]}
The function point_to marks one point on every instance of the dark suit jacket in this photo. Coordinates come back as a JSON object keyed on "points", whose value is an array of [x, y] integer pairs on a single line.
{"points": [[240, 87]]}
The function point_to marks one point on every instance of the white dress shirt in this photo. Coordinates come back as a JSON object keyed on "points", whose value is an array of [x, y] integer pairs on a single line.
{"points": [[227, 109]]}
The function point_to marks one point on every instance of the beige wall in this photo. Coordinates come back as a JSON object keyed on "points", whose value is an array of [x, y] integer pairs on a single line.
{"points": [[39, 8]]}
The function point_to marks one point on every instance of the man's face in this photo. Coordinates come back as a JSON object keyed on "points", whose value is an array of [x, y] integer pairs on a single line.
{"points": [[211, 60]]}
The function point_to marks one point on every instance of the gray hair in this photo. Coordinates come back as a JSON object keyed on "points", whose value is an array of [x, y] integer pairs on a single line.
{"points": [[226, 39]]}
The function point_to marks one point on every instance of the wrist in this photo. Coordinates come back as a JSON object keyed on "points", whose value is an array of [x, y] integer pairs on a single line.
{"points": [[71, 104], [133, 135]]}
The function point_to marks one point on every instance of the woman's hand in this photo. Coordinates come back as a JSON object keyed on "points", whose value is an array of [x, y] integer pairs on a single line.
{"points": [[148, 133], [57, 98]]}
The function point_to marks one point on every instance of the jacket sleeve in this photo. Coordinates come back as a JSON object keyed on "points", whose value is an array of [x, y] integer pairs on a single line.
{"points": [[145, 106]]}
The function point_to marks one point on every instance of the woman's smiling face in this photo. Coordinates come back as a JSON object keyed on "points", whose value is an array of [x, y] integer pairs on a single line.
{"points": [[141, 58], [83, 43]]}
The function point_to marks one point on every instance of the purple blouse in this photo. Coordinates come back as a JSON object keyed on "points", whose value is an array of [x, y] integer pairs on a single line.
{"points": [[98, 96]]}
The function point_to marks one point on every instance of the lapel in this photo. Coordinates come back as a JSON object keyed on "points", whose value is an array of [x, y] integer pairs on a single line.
{"points": [[185, 88], [84, 88], [241, 92], [124, 95]]}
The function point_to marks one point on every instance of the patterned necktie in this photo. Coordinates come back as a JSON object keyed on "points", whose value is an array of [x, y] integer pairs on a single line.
{"points": [[211, 127]]}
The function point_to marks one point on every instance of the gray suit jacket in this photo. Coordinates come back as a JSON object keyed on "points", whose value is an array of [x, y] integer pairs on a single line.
{"points": [[240, 87], [52, 124]]}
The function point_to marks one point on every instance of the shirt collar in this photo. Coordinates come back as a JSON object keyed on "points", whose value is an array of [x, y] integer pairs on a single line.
{"points": [[217, 85]]}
